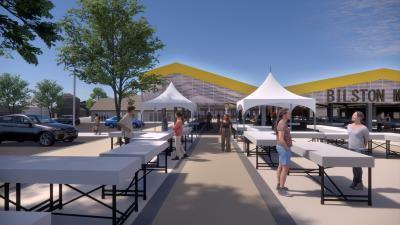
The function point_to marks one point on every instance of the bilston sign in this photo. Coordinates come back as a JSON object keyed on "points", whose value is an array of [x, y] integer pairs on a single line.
{"points": [[360, 95]]}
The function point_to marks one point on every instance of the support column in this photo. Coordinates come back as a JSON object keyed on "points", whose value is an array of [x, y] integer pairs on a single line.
{"points": [[329, 112], [263, 115], [368, 118]]}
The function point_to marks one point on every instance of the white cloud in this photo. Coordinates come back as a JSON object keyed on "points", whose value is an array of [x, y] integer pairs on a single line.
{"points": [[373, 26]]}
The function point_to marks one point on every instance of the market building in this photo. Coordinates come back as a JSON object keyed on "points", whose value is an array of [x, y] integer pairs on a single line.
{"points": [[374, 92]]}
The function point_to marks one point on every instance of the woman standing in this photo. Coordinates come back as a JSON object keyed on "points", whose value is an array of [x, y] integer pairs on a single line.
{"points": [[178, 130], [96, 128], [225, 131], [284, 142], [358, 141]]}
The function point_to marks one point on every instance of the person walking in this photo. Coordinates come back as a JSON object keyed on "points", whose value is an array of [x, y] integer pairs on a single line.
{"points": [[225, 131], [178, 130], [284, 142], [126, 124], [218, 119], [96, 127], [209, 118], [358, 141]]}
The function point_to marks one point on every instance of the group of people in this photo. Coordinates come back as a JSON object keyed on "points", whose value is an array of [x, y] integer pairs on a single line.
{"points": [[358, 141]]}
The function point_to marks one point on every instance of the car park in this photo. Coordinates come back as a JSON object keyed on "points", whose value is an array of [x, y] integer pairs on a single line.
{"points": [[112, 122], [20, 127], [67, 119]]}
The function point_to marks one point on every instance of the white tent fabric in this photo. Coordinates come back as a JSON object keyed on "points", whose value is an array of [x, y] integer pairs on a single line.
{"points": [[274, 94], [170, 98]]}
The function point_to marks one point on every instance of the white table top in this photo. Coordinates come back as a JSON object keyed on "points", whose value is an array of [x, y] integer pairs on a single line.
{"points": [[307, 134], [145, 150], [331, 156], [261, 138], [67, 169], [142, 135], [345, 135], [24, 218], [392, 137]]}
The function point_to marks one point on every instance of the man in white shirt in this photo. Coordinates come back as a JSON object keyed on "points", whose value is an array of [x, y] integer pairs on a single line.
{"points": [[126, 124]]}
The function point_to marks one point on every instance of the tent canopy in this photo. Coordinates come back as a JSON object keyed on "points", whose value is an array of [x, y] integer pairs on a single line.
{"points": [[272, 93], [170, 98]]}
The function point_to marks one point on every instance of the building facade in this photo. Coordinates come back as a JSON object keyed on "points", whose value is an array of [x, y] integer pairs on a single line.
{"points": [[375, 92]]}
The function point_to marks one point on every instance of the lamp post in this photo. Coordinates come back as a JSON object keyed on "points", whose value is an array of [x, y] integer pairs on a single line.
{"points": [[73, 102]]}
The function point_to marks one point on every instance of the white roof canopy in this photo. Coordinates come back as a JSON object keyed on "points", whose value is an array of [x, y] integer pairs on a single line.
{"points": [[272, 93], [170, 98]]}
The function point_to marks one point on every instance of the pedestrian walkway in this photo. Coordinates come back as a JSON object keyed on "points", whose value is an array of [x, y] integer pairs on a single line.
{"points": [[212, 187]]}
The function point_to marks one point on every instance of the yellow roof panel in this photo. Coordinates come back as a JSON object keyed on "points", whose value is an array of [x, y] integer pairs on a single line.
{"points": [[308, 87], [178, 68], [347, 80]]}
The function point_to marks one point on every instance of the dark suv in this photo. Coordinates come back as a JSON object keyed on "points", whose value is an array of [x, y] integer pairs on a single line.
{"points": [[19, 127]]}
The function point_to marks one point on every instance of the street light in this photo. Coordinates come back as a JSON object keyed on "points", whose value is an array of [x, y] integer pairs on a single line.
{"points": [[73, 102]]}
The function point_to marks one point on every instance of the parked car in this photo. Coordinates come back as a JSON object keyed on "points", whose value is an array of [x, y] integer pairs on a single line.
{"points": [[112, 122], [19, 127], [67, 119]]}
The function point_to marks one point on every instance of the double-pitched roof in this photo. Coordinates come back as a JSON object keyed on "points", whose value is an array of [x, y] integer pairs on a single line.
{"points": [[303, 88]]}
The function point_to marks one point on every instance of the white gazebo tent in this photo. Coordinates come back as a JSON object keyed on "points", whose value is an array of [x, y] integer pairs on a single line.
{"points": [[170, 98], [274, 94]]}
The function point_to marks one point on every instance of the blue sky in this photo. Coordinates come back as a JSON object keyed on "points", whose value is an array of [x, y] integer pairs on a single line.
{"points": [[302, 40]]}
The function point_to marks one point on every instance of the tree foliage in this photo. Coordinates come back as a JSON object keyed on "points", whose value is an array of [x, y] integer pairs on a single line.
{"points": [[98, 93], [107, 42], [48, 94], [14, 92], [25, 20]]}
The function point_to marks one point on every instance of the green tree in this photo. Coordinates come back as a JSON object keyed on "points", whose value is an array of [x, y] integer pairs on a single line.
{"points": [[25, 20], [108, 42], [14, 92], [90, 102], [97, 93], [48, 94]]}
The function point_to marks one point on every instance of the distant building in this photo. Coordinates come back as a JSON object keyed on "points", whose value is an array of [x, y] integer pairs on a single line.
{"points": [[105, 107], [68, 103]]}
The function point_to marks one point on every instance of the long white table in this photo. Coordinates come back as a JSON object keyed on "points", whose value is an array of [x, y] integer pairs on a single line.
{"points": [[146, 151], [324, 155], [24, 218], [261, 139], [374, 136], [64, 171], [141, 135], [328, 156]]}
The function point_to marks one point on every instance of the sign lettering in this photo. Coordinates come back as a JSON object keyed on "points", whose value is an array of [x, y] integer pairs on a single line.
{"points": [[360, 95]]}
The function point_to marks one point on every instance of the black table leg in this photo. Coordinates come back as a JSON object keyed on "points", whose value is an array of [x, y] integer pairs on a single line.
{"points": [[322, 172], [18, 196], [114, 205], [369, 186], [247, 146], [51, 199], [6, 196], [257, 157], [144, 182], [166, 162], [60, 197], [387, 148], [136, 190]]}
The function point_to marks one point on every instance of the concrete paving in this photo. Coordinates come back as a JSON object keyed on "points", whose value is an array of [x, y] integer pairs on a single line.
{"points": [[213, 187]]}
